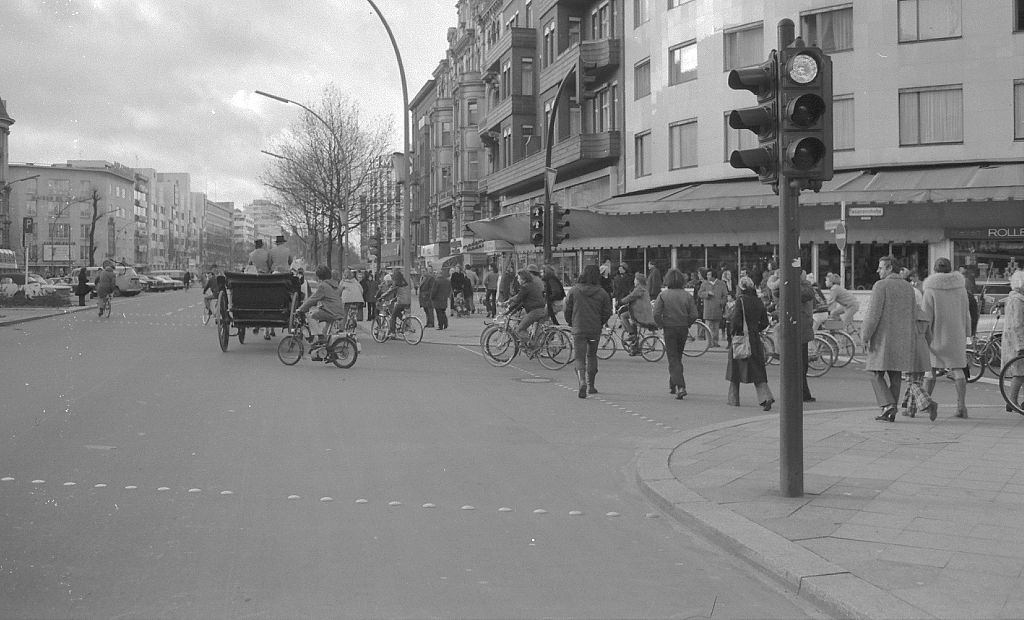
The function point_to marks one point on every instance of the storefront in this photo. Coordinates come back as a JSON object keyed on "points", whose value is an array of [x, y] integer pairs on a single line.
{"points": [[994, 252]]}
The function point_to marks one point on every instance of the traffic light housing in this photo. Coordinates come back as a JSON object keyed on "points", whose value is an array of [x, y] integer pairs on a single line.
{"points": [[28, 225], [373, 247], [558, 224], [805, 102], [762, 119], [537, 228]]}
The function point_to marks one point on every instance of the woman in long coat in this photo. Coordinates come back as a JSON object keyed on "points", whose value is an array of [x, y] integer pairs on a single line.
{"points": [[748, 317], [949, 323], [889, 335], [1013, 335]]}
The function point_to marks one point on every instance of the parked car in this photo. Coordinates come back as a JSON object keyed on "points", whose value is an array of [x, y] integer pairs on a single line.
{"points": [[34, 286], [60, 284], [991, 292], [126, 279], [165, 283], [145, 282]]}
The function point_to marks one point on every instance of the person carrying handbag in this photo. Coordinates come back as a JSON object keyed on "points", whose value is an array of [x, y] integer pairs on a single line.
{"points": [[748, 319]]}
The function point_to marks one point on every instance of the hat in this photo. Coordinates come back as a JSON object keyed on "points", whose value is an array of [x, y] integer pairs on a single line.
{"points": [[532, 268], [279, 239]]}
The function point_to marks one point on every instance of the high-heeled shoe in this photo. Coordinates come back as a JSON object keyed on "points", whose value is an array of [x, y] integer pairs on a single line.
{"points": [[888, 414], [933, 410], [767, 405], [680, 394]]}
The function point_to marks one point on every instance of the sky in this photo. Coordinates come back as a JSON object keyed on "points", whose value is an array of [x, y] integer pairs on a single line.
{"points": [[169, 84]]}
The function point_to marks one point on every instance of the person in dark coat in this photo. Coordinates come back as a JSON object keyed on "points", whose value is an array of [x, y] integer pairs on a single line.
{"points": [[426, 289], [587, 308], [653, 280], [554, 293], [370, 288], [439, 294], [622, 285], [674, 312], [457, 282], [83, 285], [749, 318]]}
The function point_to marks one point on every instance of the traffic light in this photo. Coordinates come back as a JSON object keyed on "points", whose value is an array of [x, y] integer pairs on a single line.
{"points": [[805, 99], [762, 119], [537, 224], [28, 225], [558, 224], [373, 247]]}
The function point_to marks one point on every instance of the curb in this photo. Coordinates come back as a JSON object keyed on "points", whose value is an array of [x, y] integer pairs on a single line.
{"points": [[7, 320], [828, 586]]}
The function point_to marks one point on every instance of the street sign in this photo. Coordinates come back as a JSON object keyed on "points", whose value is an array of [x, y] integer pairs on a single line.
{"points": [[830, 225], [841, 236], [865, 212]]}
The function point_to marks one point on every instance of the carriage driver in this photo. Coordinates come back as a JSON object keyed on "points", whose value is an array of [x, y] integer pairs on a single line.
{"points": [[328, 295]]}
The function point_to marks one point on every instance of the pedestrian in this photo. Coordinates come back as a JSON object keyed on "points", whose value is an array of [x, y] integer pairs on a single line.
{"points": [[674, 312], [915, 398], [426, 286], [606, 275], [370, 291], [83, 285], [949, 323], [505, 284], [474, 280], [439, 293], [259, 259], [714, 293], [888, 331], [351, 297], [970, 283], [1013, 338], [748, 318], [468, 290], [653, 280], [187, 279], [491, 288], [587, 308], [458, 283], [622, 285], [806, 331], [554, 294]]}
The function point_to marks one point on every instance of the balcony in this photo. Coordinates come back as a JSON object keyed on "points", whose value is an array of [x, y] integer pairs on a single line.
{"points": [[516, 105], [524, 39], [600, 56], [552, 74], [574, 155]]}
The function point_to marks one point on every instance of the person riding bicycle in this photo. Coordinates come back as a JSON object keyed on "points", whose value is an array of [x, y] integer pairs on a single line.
{"points": [[636, 309], [213, 286], [328, 296], [399, 296], [842, 302], [531, 299], [105, 282]]}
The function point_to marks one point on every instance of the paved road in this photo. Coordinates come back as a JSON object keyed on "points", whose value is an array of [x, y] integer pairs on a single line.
{"points": [[147, 474]]}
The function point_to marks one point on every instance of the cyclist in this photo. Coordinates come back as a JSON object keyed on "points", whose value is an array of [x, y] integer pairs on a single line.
{"points": [[105, 283], [328, 295], [635, 309], [531, 299], [211, 290], [401, 295], [842, 302]]}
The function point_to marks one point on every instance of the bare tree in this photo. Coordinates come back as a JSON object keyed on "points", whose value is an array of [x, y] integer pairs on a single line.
{"points": [[325, 165]]}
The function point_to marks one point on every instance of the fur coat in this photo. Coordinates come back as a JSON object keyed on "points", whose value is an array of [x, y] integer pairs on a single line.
{"points": [[949, 322]]}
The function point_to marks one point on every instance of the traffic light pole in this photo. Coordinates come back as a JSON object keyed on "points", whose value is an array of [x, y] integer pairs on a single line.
{"points": [[791, 434]]}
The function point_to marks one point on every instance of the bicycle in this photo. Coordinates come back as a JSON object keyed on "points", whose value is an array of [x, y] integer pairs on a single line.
{"points": [[834, 332], [338, 347], [821, 353], [410, 327], [985, 352], [104, 306], [549, 344], [700, 336], [210, 309], [648, 344], [1013, 401]]}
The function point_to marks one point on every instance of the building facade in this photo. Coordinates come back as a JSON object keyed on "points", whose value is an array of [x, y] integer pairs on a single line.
{"points": [[217, 233]]}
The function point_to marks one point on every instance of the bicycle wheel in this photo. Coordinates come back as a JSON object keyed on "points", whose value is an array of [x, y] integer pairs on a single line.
{"points": [[847, 348], [555, 350], [820, 357], [500, 348], [412, 330], [207, 314], [1006, 381], [379, 331], [606, 345], [993, 354], [290, 350], [343, 352], [830, 341], [698, 341], [652, 348], [485, 331], [771, 356], [975, 366]]}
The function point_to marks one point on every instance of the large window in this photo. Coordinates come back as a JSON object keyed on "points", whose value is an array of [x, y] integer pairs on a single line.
{"points": [[682, 144], [642, 79], [842, 123], [921, 20], [682, 63], [472, 112], [575, 31], [931, 115], [831, 29], [601, 22], [737, 139], [1018, 108], [744, 47], [549, 42], [642, 150], [1018, 12], [527, 68], [641, 11]]}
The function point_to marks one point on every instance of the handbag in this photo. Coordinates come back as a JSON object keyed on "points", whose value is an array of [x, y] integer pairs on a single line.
{"points": [[740, 343]]}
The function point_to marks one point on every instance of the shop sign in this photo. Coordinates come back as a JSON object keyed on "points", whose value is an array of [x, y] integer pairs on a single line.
{"points": [[865, 212], [994, 232]]}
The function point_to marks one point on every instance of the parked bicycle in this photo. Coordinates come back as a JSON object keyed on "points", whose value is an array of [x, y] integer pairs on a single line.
{"points": [[1013, 400], [985, 352]]}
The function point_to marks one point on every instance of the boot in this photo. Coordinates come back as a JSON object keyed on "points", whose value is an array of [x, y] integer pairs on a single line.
{"points": [[734, 394], [590, 383], [961, 395], [582, 391]]}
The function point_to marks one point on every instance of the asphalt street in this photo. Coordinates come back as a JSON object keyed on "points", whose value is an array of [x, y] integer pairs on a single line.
{"points": [[144, 473]]}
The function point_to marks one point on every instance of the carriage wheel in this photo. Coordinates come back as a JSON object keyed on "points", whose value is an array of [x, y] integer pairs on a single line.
{"points": [[222, 334], [241, 335]]}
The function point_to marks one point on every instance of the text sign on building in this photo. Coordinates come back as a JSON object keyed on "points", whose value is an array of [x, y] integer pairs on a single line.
{"points": [[994, 232], [865, 212]]}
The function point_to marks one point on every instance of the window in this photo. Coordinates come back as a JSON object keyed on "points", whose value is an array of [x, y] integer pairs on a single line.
{"points": [[528, 15], [642, 79], [506, 80], [506, 145], [842, 123], [737, 139], [575, 31], [921, 20], [1018, 108], [641, 11], [547, 120], [831, 30], [676, 3], [602, 111], [549, 42], [932, 115], [744, 47], [472, 112], [601, 22], [527, 68], [682, 63], [682, 144], [642, 144], [59, 230], [446, 133]]}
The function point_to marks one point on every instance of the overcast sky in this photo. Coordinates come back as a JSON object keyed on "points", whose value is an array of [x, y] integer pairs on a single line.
{"points": [[168, 84]]}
